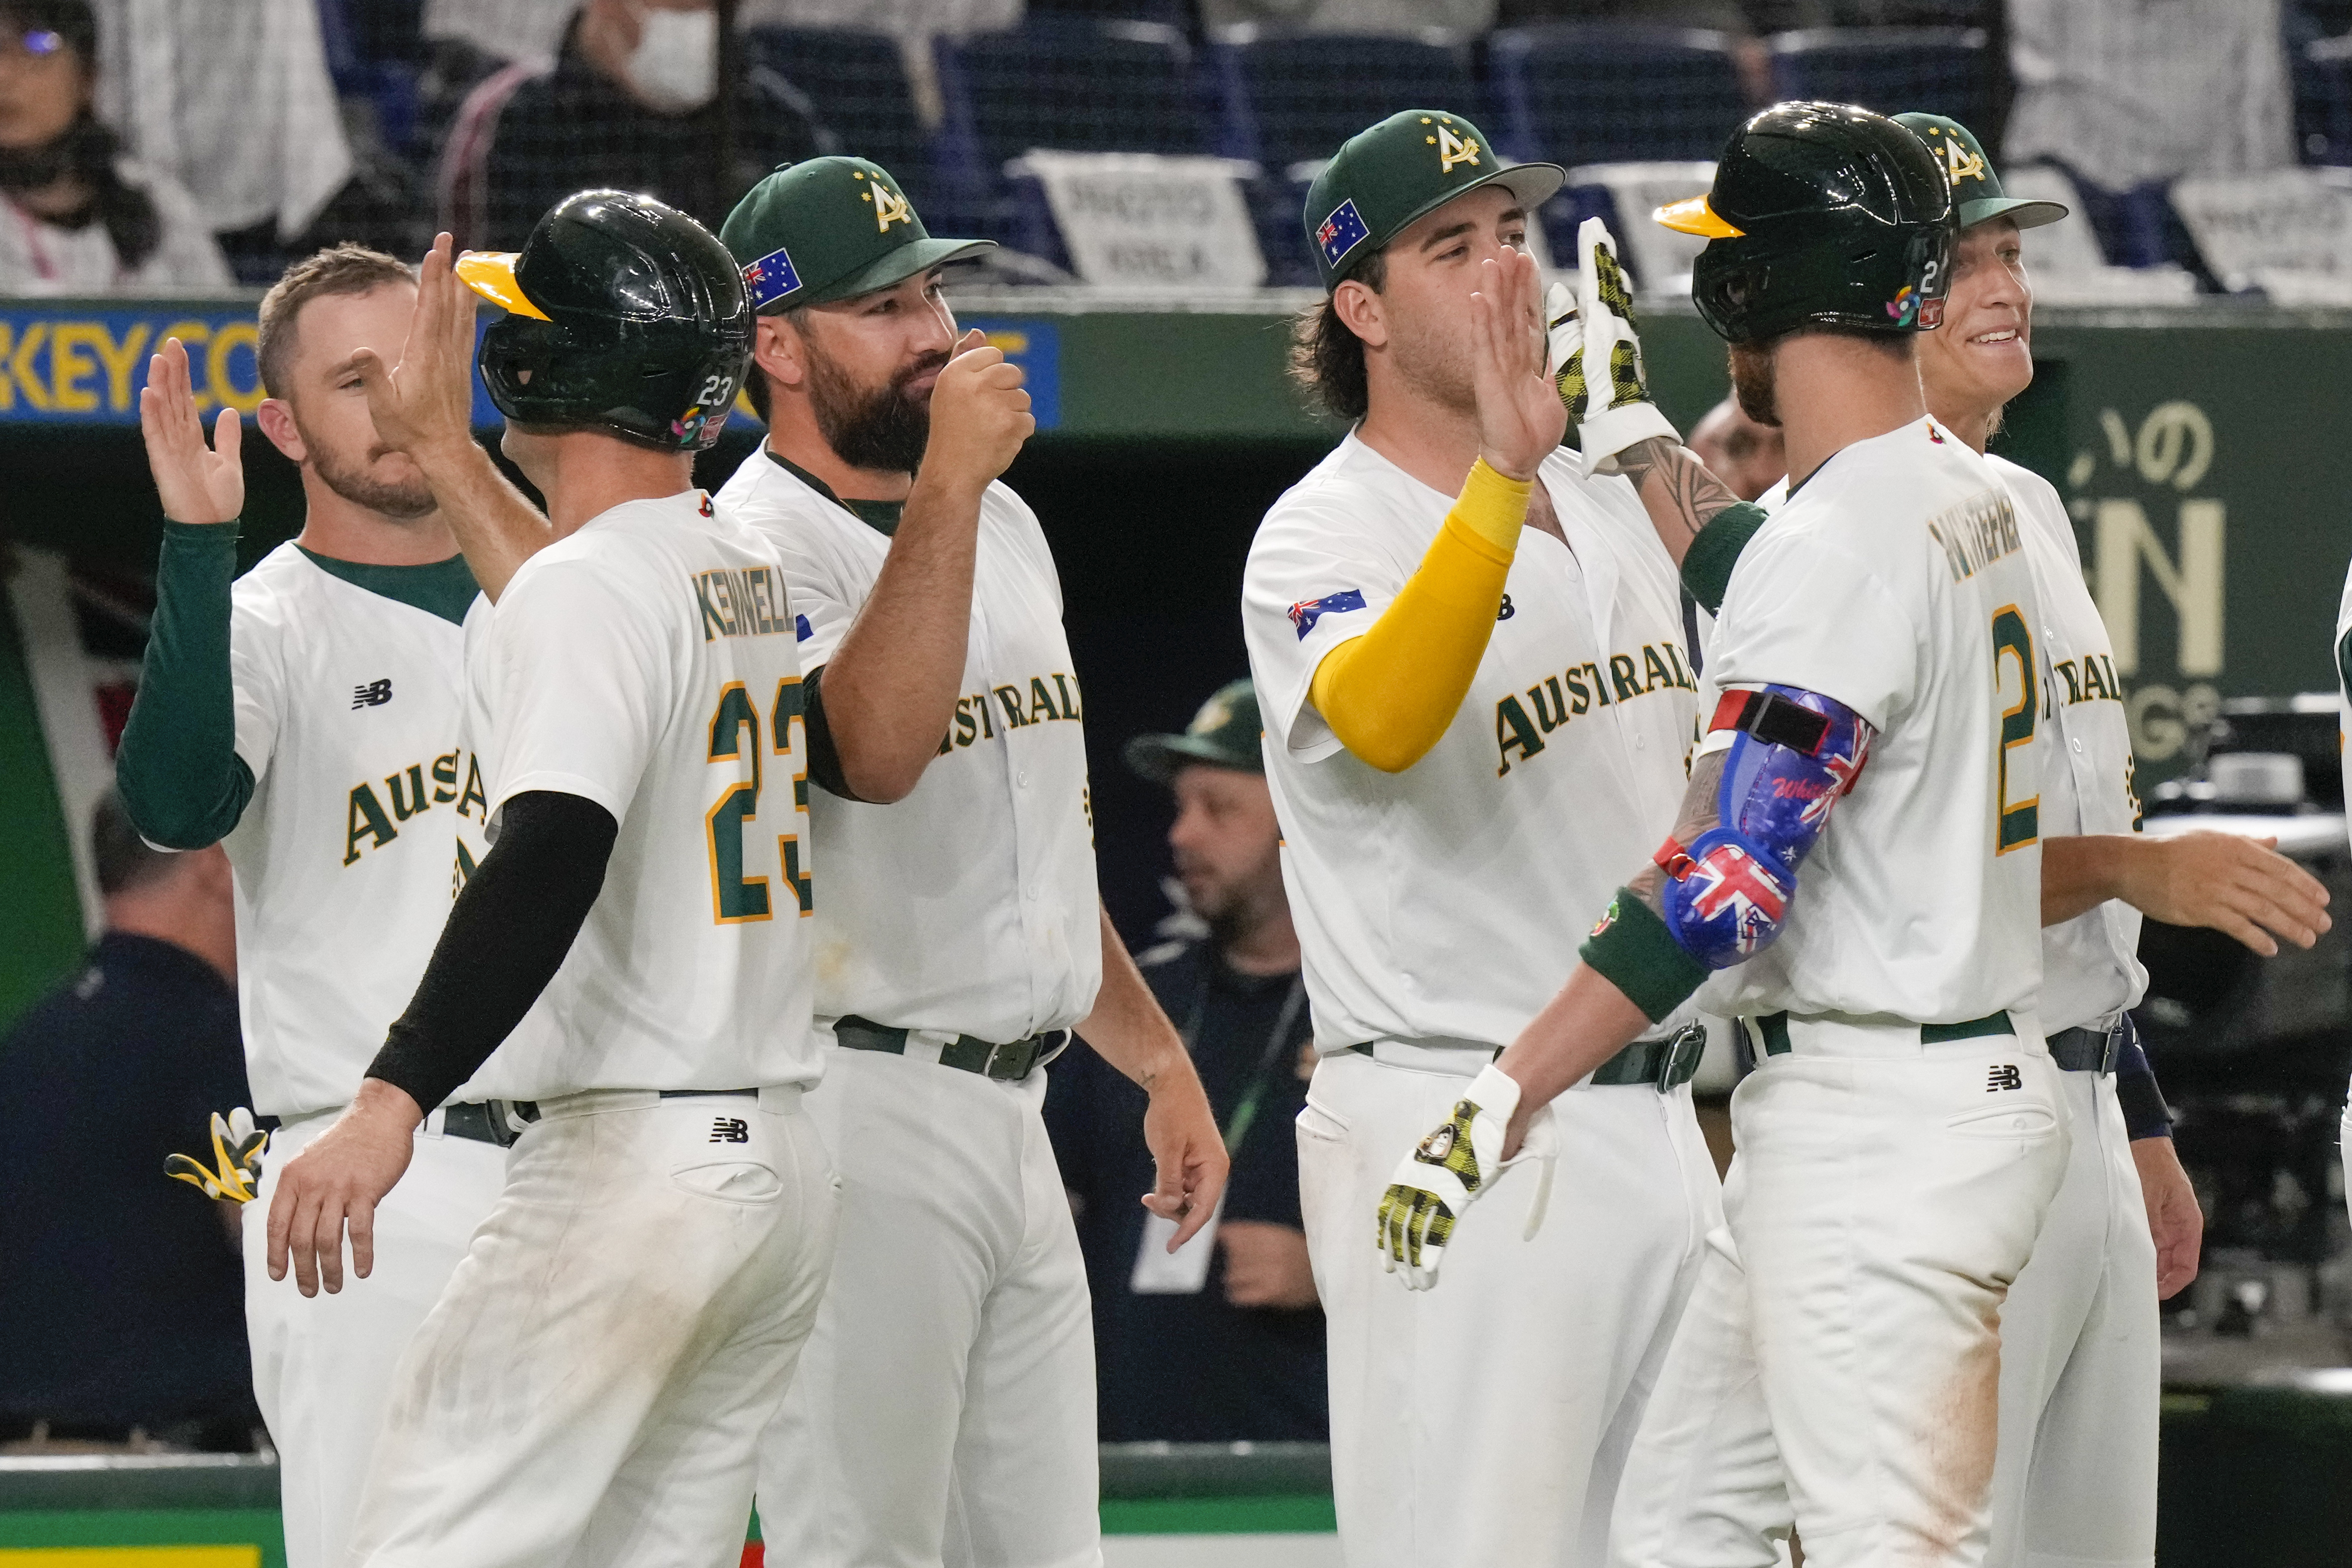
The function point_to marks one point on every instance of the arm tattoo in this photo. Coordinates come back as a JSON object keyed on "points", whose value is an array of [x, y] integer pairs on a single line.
{"points": [[1701, 809], [1684, 496]]}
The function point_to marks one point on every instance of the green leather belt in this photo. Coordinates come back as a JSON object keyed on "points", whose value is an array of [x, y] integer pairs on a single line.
{"points": [[1010, 1062], [1774, 1027]]}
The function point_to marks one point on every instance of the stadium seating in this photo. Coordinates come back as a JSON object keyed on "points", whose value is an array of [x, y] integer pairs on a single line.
{"points": [[2322, 99], [1609, 93], [1286, 98], [1062, 83], [858, 83], [1942, 70]]}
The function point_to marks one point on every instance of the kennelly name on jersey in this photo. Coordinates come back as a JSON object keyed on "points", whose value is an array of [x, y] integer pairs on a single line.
{"points": [[1976, 532], [740, 602], [975, 721], [370, 826], [1556, 699]]}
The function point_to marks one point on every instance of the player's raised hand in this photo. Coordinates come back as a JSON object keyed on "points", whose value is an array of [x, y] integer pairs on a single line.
{"points": [[196, 483], [2240, 886], [424, 404], [1520, 416], [1187, 1156], [337, 1182], [980, 416]]}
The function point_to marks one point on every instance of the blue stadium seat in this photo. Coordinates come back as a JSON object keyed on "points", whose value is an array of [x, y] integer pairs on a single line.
{"points": [[2322, 99], [1287, 98], [1940, 70], [858, 83], [375, 55], [1611, 93], [1071, 85]]}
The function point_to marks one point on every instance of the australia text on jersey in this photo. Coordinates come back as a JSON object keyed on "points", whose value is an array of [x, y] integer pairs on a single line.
{"points": [[1556, 699], [1976, 533], [976, 716], [370, 825]]}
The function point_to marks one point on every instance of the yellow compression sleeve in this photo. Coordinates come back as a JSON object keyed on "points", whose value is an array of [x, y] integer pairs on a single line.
{"points": [[1391, 692]]}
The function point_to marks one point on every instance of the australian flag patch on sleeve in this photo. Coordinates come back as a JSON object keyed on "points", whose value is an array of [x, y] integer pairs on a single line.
{"points": [[1341, 233], [1308, 611], [770, 278]]}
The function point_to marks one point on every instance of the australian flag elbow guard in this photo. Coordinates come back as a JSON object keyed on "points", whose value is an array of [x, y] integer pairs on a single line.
{"points": [[1791, 754]]}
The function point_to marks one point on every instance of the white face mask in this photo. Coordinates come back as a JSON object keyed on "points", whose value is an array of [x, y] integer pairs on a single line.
{"points": [[676, 65]]}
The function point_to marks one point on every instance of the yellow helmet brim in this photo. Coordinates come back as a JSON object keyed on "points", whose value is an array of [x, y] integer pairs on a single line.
{"points": [[1694, 216], [491, 275]]}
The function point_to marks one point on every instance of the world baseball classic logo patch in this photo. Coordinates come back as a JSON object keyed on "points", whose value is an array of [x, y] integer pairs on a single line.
{"points": [[1306, 612]]}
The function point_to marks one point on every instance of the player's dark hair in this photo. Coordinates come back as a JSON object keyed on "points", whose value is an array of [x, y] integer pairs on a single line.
{"points": [[124, 860], [755, 380], [1326, 358], [339, 270]]}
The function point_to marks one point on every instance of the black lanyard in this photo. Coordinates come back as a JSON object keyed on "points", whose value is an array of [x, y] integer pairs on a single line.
{"points": [[1277, 1044]]}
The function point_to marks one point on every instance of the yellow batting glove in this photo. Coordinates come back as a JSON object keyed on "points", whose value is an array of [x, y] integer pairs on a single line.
{"points": [[1446, 1171], [238, 1145]]}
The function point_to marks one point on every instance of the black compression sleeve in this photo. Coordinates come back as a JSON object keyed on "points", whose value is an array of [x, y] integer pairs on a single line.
{"points": [[2145, 1115], [505, 938], [824, 757]]}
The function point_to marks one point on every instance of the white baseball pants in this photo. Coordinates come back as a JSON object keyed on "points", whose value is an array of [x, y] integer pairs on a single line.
{"points": [[592, 1387], [322, 1366], [1486, 1421], [2081, 1363], [1840, 1357], [945, 1408]]}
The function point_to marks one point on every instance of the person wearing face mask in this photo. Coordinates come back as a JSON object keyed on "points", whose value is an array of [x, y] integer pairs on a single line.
{"points": [[632, 95], [1222, 1342], [80, 216]]}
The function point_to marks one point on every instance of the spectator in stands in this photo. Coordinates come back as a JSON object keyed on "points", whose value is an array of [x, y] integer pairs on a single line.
{"points": [[1354, 16], [1225, 1341], [235, 102], [631, 102], [1744, 454], [121, 1295], [2129, 92], [81, 217]]}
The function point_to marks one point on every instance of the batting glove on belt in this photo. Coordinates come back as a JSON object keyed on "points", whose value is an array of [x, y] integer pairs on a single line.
{"points": [[1593, 340], [1456, 1164], [237, 1159]]}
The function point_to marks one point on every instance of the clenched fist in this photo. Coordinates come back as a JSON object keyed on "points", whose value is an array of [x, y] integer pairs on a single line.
{"points": [[980, 417]]}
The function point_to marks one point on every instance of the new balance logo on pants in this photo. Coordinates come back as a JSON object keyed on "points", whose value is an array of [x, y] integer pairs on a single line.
{"points": [[734, 1130], [2005, 1076]]}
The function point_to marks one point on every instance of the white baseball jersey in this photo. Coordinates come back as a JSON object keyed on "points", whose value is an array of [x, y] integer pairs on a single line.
{"points": [[646, 663], [1447, 901], [969, 905], [367, 812], [1897, 582], [2344, 688], [2090, 965]]}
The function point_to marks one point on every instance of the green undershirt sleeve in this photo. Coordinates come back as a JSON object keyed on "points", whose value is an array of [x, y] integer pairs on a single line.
{"points": [[183, 784], [1632, 949], [1707, 567]]}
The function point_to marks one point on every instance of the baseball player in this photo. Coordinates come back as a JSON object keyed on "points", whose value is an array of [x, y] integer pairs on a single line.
{"points": [[1468, 651], [2344, 745], [590, 1387], [945, 1410], [308, 717], [2075, 1479], [1874, 658]]}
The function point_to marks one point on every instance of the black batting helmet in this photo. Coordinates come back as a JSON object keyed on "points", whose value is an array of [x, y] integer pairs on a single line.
{"points": [[623, 315], [1823, 215]]}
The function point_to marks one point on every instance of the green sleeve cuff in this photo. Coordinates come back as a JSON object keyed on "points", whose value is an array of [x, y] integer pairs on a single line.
{"points": [[1706, 568], [1632, 950], [182, 782]]}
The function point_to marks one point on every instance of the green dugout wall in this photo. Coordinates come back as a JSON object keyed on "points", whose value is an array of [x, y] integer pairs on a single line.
{"points": [[2204, 453]]}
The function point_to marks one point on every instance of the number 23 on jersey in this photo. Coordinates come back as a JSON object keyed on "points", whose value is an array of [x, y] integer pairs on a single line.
{"points": [[2019, 822], [735, 897]]}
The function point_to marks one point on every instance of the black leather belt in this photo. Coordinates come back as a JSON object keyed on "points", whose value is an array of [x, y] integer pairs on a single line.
{"points": [[1663, 1065], [483, 1121], [2086, 1049], [1010, 1062]]}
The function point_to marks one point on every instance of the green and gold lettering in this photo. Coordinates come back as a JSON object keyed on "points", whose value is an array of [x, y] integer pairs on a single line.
{"points": [[1622, 675], [714, 618], [366, 818], [1009, 698], [2065, 669], [1655, 673], [1064, 683], [2093, 686], [1600, 687], [1549, 716], [444, 778], [407, 803], [1513, 730], [966, 727], [1040, 702], [474, 794], [1579, 699]]}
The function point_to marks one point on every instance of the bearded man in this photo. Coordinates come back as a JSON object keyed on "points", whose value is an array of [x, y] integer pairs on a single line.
{"points": [[944, 1410]]}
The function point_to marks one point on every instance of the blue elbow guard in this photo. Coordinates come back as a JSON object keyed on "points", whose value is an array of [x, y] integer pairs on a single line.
{"points": [[1792, 753]]}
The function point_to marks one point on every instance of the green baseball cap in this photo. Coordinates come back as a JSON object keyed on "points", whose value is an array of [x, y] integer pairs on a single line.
{"points": [[1223, 733], [1975, 187], [831, 228], [1410, 165]]}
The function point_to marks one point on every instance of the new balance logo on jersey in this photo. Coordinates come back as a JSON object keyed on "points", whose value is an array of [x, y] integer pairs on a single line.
{"points": [[1506, 612], [375, 694], [1579, 690], [2005, 1076], [730, 1129]]}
